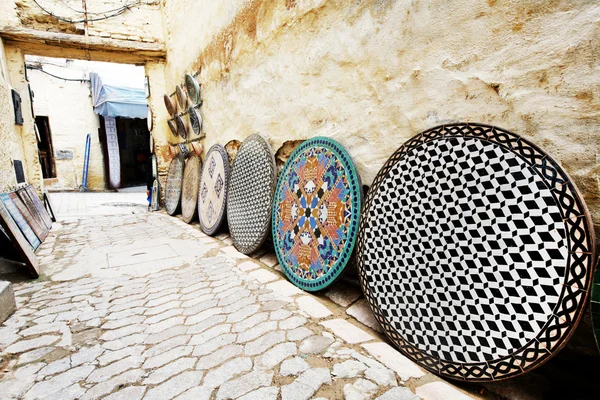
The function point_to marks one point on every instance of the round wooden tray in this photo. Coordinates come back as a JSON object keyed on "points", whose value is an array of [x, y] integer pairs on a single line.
{"points": [[189, 192], [174, 183]]}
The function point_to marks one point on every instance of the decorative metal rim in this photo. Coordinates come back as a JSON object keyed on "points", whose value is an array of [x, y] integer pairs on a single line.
{"points": [[192, 162], [169, 105], [264, 230], [181, 98], [181, 127], [172, 127], [177, 162], [227, 172], [355, 182], [197, 118], [193, 89], [576, 283]]}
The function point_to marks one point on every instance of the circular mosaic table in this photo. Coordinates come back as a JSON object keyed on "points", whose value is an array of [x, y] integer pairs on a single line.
{"points": [[170, 106], [181, 127], [195, 120], [181, 98], [475, 252], [315, 213], [149, 119], [174, 183], [250, 195], [189, 192], [595, 305], [214, 182], [193, 89], [172, 127]]}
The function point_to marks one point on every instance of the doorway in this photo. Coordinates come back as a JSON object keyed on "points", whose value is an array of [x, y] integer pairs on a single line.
{"points": [[134, 151], [46, 151]]}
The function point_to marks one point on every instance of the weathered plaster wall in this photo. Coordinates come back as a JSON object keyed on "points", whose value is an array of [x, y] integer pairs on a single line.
{"points": [[10, 139], [26, 138], [68, 106], [141, 22], [373, 73]]}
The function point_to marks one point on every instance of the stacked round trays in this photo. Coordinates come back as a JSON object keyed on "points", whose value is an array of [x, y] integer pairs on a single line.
{"points": [[173, 185], [214, 183], [189, 192], [316, 213], [475, 252], [251, 189]]}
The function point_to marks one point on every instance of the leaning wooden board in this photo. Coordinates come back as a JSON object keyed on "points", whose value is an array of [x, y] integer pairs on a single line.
{"points": [[39, 206], [14, 234], [31, 207], [39, 231]]}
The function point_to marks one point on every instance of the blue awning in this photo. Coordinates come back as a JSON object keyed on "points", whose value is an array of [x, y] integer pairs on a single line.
{"points": [[117, 101]]}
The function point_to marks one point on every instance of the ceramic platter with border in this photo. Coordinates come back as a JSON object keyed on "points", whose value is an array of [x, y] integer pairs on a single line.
{"points": [[195, 120], [250, 196], [174, 183], [172, 127], [475, 252], [214, 183], [193, 89], [181, 98], [169, 105], [316, 211], [150, 119], [181, 127], [189, 192]]}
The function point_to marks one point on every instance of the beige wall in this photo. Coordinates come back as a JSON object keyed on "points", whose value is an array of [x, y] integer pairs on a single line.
{"points": [[11, 147], [68, 106], [142, 22], [372, 74]]}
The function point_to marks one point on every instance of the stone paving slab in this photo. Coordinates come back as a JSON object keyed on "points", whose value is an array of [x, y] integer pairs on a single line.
{"points": [[210, 324]]}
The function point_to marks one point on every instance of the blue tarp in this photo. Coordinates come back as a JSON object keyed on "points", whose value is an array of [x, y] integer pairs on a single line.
{"points": [[116, 101]]}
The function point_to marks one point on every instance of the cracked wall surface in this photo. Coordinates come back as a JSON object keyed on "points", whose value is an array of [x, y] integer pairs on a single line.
{"points": [[372, 74]]}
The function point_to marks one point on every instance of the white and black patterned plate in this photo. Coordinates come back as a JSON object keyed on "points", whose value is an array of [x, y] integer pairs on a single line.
{"points": [[250, 196], [195, 120], [475, 252], [173, 185], [214, 183]]}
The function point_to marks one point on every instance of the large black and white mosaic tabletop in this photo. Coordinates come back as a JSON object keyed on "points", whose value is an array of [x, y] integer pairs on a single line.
{"points": [[251, 188], [475, 252], [174, 184], [214, 183]]}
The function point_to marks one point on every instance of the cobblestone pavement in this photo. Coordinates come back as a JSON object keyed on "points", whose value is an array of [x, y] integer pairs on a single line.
{"points": [[145, 306]]}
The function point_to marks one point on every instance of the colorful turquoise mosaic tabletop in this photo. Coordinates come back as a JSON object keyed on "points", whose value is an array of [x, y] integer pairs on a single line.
{"points": [[315, 213]]}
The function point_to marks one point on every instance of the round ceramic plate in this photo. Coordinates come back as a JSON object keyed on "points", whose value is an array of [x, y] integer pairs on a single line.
{"points": [[181, 98], [213, 189], [150, 120], [169, 105], [174, 183], [315, 213], [250, 195], [172, 127], [193, 89], [189, 193], [181, 127], [475, 252], [195, 120]]}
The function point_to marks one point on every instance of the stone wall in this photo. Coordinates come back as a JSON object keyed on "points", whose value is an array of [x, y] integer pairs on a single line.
{"points": [[10, 139], [68, 106], [372, 74], [141, 22]]}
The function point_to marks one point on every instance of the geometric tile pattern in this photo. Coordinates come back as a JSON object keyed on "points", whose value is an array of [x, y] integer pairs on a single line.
{"points": [[315, 213], [250, 195], [475, 252], [213, 189], [174, 184]]}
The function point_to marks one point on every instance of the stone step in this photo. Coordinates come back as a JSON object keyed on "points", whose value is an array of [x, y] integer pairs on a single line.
{"points": [[7, 300]]}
